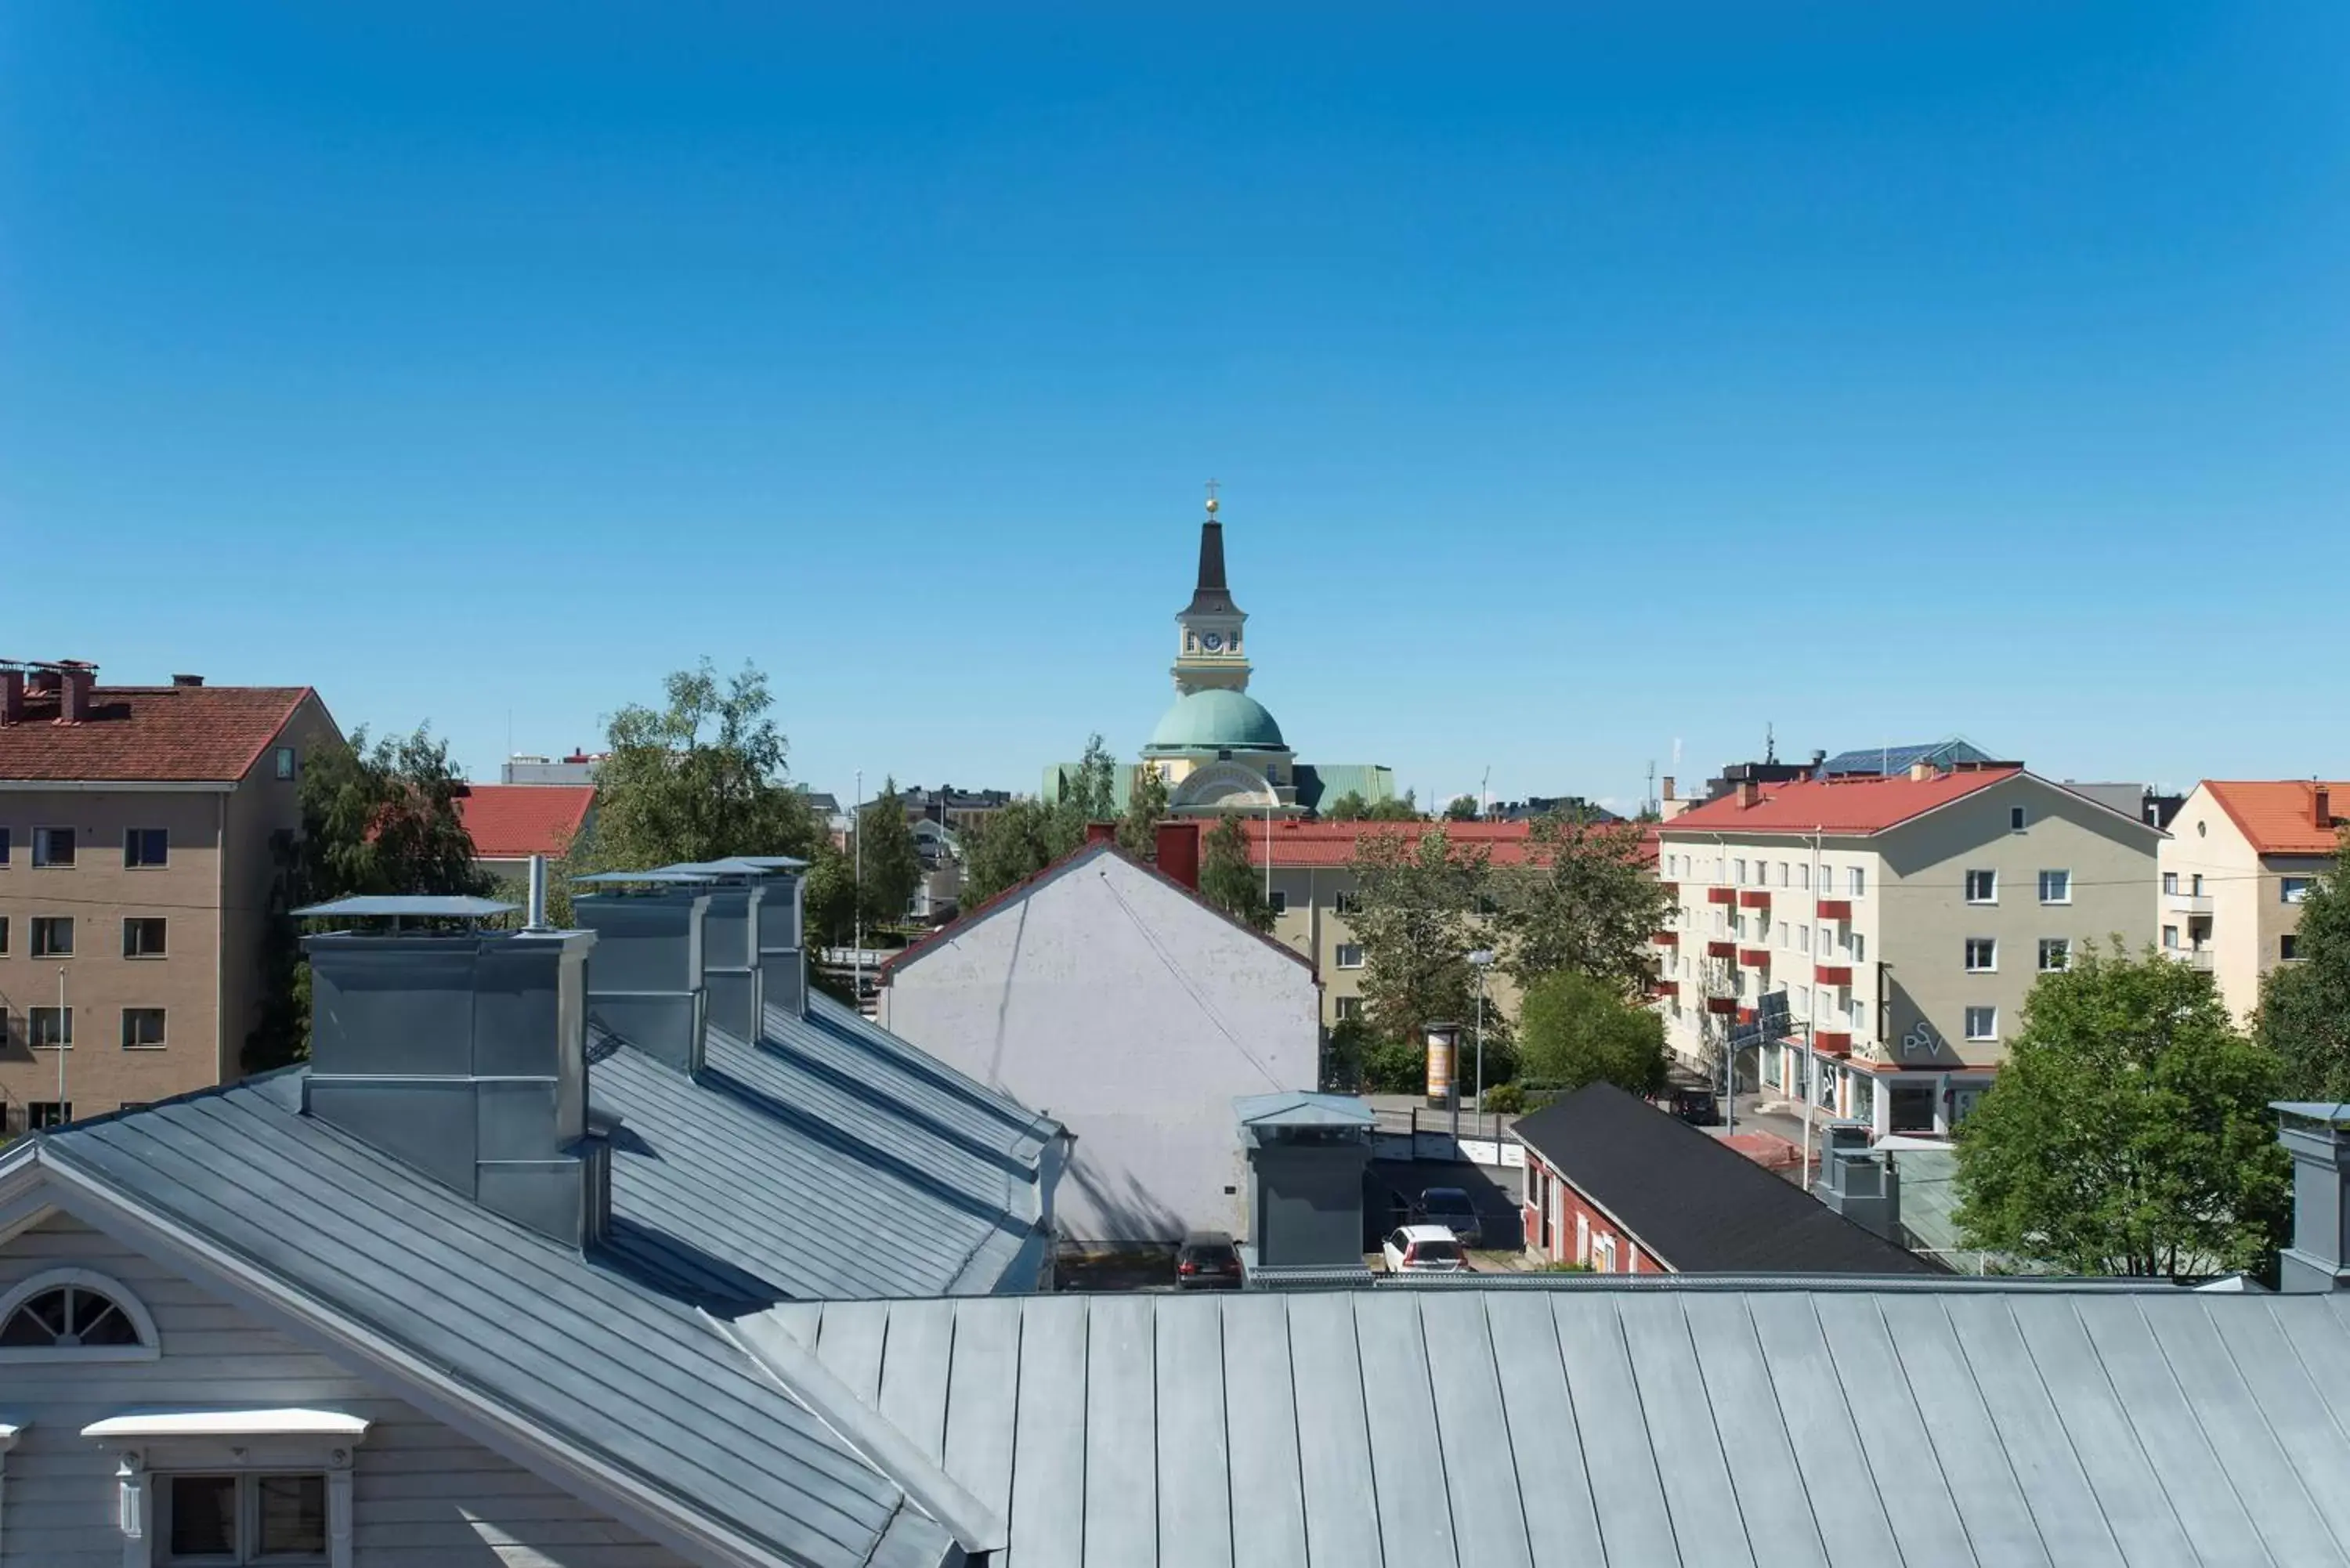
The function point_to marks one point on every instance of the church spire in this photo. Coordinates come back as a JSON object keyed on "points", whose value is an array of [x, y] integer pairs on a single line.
{"points": [[1211, 597]]}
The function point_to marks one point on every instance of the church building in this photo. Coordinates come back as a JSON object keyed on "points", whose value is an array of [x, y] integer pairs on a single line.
{"points": [[1218, 748]]}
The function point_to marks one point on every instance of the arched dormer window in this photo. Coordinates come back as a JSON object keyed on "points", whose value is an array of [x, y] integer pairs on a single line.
{"points": [[74, 1314]]}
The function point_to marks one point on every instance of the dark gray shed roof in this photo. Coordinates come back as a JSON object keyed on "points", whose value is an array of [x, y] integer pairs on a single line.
{"points": [[820, 1162], [601, 1355], [1820, 1428]]}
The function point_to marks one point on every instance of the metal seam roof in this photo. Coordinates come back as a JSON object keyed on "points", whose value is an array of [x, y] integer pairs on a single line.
{"points": [[562, 1341], [1846, 1428]]}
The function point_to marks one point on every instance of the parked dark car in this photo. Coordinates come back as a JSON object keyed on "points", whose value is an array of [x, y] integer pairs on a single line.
{"points": [[1451, 1206], [1699, 1107], [1208, 1261]]}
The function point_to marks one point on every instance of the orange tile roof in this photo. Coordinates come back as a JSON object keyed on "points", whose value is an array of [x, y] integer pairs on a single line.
{"points": [[1861, 805], [1300, 844], [513, 821], [150, 735], [2280, 816]]}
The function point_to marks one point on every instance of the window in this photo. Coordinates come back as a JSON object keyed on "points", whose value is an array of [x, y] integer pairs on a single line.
{"points": [[142, 1028], [1783, 873], [53, 847], [53, 935], [142, 936], [2015, 819], [2293, 889], [66, 1317], [2170, 936], [146, 846], [241, 1518], [1859, 948], [1982, 955], [1347, 1007], [41, 1113], [1859, 880], [2286, 946], [1804, 877], [1799, 1000], [2056, 953], [2170, 881], [1348, 904], [1280, 902], [1982, 1022], [1982, 887], [285, 761], [4, 936], [2056, 887], [1741, 872], [1856, 1013], [1802, 939], [49, 1027], [1350, 955], [1827, 880], [4, 847]]}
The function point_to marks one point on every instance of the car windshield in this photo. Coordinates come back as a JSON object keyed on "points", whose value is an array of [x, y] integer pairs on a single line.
{"points": [[1435, 1253], [1208, 1251]]}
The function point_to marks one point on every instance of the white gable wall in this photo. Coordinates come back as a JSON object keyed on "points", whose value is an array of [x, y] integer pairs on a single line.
{"points": [[422, 1495], [1132, 1014]]}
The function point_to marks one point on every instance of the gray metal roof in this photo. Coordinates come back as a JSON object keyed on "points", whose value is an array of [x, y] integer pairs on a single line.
{"points": [[1298, 1109], [1817, 1428], [815, 1164], [413, 906], [621, 878], [603, 1355]]}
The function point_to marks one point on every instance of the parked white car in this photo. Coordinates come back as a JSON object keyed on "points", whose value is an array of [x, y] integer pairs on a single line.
{"points": [[1423, 1249]]}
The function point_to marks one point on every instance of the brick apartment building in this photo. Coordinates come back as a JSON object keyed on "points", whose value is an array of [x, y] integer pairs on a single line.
{"points": [[137, 826]]}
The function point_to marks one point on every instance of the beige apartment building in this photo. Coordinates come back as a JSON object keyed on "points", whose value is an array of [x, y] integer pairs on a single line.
{"points": [[1907, 920], [2241, 855], [137, 827]]}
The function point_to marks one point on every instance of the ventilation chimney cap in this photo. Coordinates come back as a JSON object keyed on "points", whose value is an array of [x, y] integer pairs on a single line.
{"points": [[187, 680], [422, 907]]}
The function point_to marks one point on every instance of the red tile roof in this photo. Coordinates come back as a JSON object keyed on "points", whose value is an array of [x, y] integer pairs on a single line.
{"points": [[1300, 844], [150, 735], [2280, 816], [1861, 805], [513, 821]]}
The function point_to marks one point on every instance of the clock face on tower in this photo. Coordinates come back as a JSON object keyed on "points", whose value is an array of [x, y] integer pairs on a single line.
{"points": [[1213, 641]]}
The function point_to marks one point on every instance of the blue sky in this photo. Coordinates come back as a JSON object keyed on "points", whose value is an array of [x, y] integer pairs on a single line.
{"points": [[1583, 379]]}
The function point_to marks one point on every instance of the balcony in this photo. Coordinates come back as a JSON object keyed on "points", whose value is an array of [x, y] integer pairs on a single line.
{"points": [[1721, 950], [2193, 957], [1722, 895], [1754, 899], [1726, 1005], [1745, 1015], [1665, 989], [2187, 903], [1832, 1042], [1755, 958], [1836, 973], [1834, 908], [1666, 939]]}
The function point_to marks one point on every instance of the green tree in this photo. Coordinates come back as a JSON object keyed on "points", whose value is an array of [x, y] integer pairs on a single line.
{"points": [[1349, 807], [1008, 846], [379, 818], [828, 899], [1574, 1029], [1092, 795], [891, 868], [700, 778], [1461, 808], [1226, 878], [2304, 1011], [1584, 902], [1395, 808], [2128, 1132], [1417, 899], [1146, 807]]}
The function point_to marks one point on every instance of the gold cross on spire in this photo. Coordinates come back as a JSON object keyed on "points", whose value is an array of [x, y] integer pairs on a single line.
{"points": [[1211, 497]]}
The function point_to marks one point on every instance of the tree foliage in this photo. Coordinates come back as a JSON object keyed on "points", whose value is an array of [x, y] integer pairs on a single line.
{"points": [[883, 860], [376, 818], [1584, 902], [2128, 1132], [700, 778], [828, 897], [2304, 1013], [1351, 806], [1146, 807], [1416, 920], [1226, 878], [1460, 808], [1022, 840], [1575, 1029]]}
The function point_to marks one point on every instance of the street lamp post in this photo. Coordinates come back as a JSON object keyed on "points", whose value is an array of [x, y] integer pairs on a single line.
{"points": [[1481, 959]]}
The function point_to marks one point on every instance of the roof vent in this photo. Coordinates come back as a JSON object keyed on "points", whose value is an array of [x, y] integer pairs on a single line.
{"points": [[462, 1054], [187, 680], [1921, 771], [2320, 809]]}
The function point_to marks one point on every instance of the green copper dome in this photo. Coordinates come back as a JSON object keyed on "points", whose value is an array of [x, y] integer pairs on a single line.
{"points": [[1216, 720]]}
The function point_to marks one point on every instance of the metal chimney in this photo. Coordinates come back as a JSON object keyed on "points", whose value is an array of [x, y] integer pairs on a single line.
{"points": [[2318, 1136], [644, 986], [1859, 1182], [462, 1054], [731, 973]]}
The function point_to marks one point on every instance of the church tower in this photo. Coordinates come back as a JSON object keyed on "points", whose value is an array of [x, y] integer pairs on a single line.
{"points": [[1208, 655]]}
